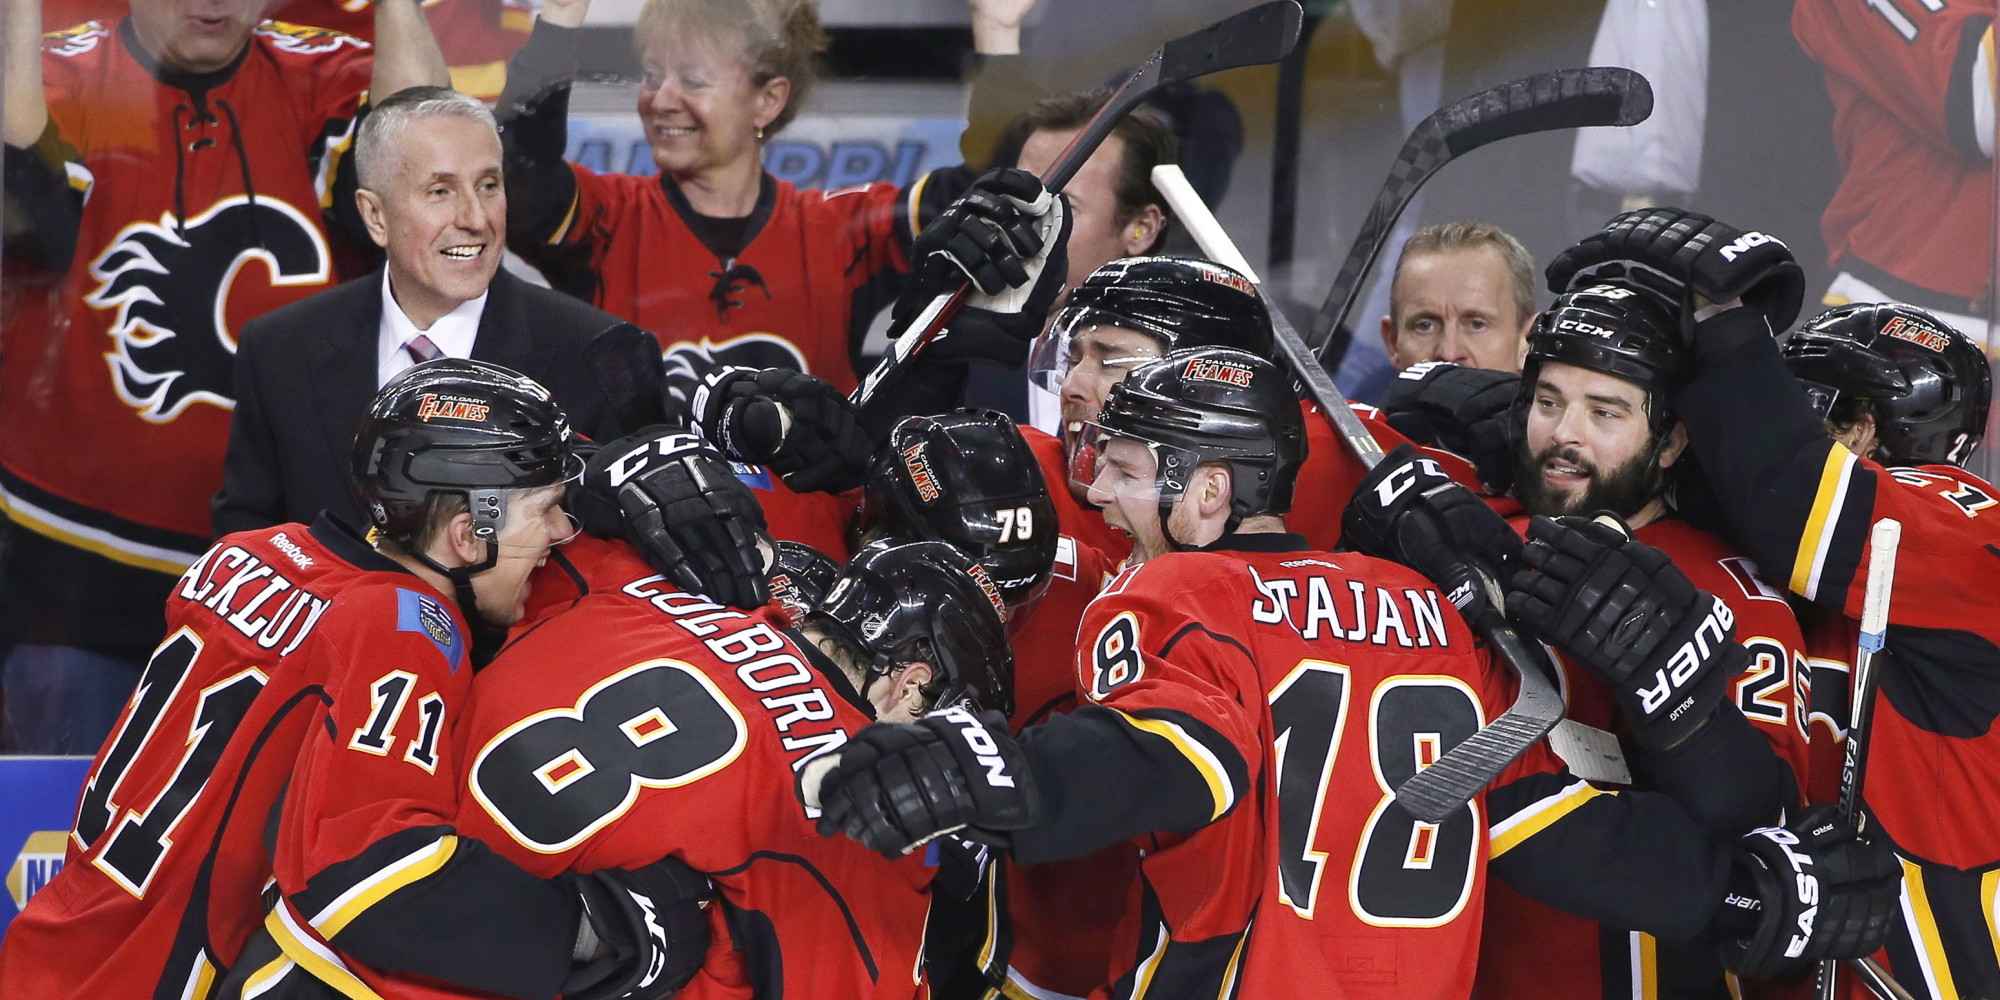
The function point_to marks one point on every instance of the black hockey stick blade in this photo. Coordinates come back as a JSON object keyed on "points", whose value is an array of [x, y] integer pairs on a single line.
{"points": [[1443, 788], [1566, 98], [1262, 34]]}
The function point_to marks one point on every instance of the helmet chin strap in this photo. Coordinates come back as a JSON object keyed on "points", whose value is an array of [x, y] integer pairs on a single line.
{"points": [[487, 637]]}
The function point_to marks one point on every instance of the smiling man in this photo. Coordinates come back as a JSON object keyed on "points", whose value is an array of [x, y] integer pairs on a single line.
{"points": [[433, 197]]}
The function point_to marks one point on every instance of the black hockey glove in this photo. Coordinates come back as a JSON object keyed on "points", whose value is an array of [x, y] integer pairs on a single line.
{"points": [[1714, 260], [799, 425], [1408, 511], [1820, 893], [1466, 411], [680, 504], [1009, 237], [895, 787], [650, 926], [1622, 609]]}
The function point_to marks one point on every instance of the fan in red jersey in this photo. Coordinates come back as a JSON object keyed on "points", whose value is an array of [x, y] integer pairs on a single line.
{"points": [[1221, 672], [187, 173], [313, 674], [1598, 433], [1861, 416]]}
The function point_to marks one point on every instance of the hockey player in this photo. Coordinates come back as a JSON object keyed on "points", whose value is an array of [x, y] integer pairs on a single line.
{"points": [[178, 173], [1601, 435], [297, 644], [646, 718], [1802, 501], [1222, 671]]}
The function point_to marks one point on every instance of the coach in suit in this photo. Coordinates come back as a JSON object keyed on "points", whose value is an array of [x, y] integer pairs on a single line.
{"points": [[432, 196]]}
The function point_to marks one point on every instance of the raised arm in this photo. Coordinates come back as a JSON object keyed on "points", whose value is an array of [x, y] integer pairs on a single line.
{"points": [[406, 53], [534, 126]]}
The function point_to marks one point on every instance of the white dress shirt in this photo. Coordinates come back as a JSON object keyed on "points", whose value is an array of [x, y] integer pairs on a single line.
{"points": [[452, 334]]}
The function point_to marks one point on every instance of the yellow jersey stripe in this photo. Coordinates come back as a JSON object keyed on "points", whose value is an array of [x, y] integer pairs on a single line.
{"points": [[412, 867], [1538, 816], [1205, 763], [1810, 557], [569, 217], [1645, 966], [1921, 924], [268, 976], [915, 203], [97, 540], [1989, 883], [1143, 980], [314, 957]]}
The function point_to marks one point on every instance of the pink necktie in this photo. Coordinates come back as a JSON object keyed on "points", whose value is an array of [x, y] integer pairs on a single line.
{"points": [[421, 348]]}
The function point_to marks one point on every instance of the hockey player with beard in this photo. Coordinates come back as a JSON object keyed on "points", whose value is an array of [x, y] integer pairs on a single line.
{"points": [[1865, 414], [1222, 674], [1600, 435]]}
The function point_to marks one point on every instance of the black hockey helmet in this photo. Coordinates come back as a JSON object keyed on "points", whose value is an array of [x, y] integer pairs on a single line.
{"points": [[458, 426], [1613, 330], [800, 576], [968, 478], [1929, 384], [1182, 301], [1208, 404], [896, 602]]}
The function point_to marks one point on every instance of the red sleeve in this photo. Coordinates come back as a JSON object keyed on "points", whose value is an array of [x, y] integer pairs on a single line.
{"points": [[1906, 56]]}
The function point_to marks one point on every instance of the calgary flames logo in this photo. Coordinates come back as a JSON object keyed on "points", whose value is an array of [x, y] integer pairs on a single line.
{"points": [[306, 40], [74, 41], [171, 286], [751, 350]]}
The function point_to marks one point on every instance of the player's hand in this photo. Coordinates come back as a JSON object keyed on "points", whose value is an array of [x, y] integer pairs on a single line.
{"points": [[1009, 237], [1466, 411], [680, 504], [1714, 260], [1408, 511], [1822, 893], [799, 425], [895, 787], [652, 928], [1621, 608]]}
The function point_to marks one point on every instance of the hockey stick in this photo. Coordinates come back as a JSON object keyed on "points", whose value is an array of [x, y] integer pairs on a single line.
{"points": [[1565, 98], [1444, 787], [1882, 543], [1262, 34]]}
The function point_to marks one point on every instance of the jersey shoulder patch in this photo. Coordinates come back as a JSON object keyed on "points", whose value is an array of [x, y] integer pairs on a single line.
{"points": [[304, 39], [75, 40], [425, 615]]}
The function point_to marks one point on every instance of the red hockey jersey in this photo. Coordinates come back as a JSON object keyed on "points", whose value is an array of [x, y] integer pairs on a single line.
{"points": [[641, 722], [1915, 196], [132, 355], [167, 860], [477, 37], [1534, 950]]}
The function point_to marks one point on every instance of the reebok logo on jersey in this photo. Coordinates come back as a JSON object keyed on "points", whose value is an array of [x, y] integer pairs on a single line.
{"points": [[980, 742], [1217, 371], [170, 284], [433, 406], [1745, 243], [1927, 337], [291, 550], [922, 479]]}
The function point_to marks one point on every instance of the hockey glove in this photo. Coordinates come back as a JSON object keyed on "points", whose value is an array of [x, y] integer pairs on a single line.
{"points": [[1714, 260], [895, 787], [1466, 411], [1009, 237], [682, 506], [1622, 609], [649, 924], [1408, 511], [1820, 892], [799, 425]]}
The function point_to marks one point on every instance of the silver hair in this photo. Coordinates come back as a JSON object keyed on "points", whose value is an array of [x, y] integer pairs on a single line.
{"points": [[382, 131]]}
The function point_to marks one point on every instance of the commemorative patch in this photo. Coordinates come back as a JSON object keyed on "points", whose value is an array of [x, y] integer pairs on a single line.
{"points": [[424, 615]]}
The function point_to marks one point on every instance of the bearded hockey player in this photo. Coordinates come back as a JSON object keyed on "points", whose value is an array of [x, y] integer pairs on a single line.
{"points": [[1911, 394], [645, 718], [295, 644], [1599, 434], [1221, 671]]}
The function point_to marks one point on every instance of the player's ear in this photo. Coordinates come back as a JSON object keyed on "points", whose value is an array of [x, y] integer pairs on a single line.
{"points": [[370, 205], [1677, 441], [459, 540], [1521, 342], [908, 704], [1142, 231], [1216, 486]]}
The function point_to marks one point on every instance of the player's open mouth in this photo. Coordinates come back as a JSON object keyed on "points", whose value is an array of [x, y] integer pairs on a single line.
{"points": [[1561, 473], [464, 252]]}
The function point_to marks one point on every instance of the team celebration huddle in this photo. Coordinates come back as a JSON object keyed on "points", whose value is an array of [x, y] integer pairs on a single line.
{"points": [[502, 576]]}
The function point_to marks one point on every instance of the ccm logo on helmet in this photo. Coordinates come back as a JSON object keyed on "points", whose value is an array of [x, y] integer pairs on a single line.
{"points": [[1744, 243], [1217, 371], [1929, 338], [984, 750], [435, 407], [1712, 632]]}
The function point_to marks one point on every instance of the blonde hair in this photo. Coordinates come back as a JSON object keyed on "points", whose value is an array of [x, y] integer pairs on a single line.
{"points": [[1471, 234], [777, 38]]}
